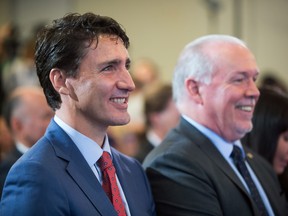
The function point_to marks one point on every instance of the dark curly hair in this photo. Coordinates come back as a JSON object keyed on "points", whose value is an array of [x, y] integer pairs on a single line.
{"points": [[64, 44]]}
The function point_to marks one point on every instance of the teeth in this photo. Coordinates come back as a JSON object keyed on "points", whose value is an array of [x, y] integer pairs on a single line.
{"points": [[118, 100], [246, 108]]}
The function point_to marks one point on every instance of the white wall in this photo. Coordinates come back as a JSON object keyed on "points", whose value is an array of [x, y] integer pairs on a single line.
{"points": [[160, 28], [267, 30]]}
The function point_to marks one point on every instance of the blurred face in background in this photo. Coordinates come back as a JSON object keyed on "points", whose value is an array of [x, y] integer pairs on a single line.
{"points": [[280, 160], [6, 140], [31, 118], [169, 117]]}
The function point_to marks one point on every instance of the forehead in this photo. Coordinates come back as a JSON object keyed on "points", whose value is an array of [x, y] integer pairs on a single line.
{"points": [[103, 50], [106, 40], [107, 46], [235, 59]]}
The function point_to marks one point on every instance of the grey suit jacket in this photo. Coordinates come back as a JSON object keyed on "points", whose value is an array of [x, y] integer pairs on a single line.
{"points": [[189, 176], [53, 178]]}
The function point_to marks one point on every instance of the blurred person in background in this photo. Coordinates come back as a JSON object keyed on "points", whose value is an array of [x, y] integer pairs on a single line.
{"points": [[270, 80], [21, 70], [144, 72], [9, 46], [6, 141], [161, 115], [27, 116], [269, 136]]}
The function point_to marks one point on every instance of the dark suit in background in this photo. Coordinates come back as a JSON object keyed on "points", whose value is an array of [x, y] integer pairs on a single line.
{"points": [[145, 146], [6, 164], [27, 116]]}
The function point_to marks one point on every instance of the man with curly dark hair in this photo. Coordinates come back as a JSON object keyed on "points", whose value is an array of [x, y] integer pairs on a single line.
{"points": [[82, 63]]}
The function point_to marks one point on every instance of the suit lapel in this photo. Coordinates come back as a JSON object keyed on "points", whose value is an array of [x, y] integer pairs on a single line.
{"points": [[264, 180], [79, 170], [208, 148], [122, 173]]}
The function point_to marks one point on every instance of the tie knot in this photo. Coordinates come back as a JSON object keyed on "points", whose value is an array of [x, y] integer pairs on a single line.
{"points": [[105, 161], [237, 154]]}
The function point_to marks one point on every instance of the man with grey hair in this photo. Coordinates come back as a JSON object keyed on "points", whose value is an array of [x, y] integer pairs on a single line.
{"points": [[27, 116], [201, 167]]}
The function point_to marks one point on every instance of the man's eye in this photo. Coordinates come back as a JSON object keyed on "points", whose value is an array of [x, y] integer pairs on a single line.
{"points": [[239, 80], [107, 68]]}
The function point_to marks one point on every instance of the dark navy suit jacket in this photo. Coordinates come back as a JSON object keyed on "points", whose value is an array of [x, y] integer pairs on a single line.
{"points": [[189, 176], [53, 178]]}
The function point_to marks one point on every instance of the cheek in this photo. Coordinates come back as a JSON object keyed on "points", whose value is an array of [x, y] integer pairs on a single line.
{"points": [[282, 145], [80, 87], [81, 90], [217, 101]]}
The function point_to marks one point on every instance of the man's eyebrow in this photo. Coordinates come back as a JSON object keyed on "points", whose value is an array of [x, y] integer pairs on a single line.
{"points": [[114, 62], [254, 72]]}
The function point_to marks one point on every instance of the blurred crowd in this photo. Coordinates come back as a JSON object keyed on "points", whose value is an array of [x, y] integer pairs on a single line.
{"points": [[17, 69]]}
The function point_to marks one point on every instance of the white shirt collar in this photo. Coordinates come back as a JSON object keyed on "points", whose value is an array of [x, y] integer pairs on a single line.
{"points": [[153, 138], [224, 147], [21, 147], [88, 148]]}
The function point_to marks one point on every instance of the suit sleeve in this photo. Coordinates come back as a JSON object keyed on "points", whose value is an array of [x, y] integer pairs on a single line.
{"points": [[30, 190]]}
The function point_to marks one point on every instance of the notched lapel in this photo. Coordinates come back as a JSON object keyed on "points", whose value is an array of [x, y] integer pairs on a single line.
{"points": [[223, 165], [79, 170], [89, 184], [126, 183], [211, 151], [267, 185]]}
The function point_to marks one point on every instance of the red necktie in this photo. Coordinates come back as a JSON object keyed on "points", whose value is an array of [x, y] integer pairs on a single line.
{"points": [[110, 184]]}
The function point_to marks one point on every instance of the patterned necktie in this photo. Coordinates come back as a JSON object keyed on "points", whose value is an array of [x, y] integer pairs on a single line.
{"points": [[241, 166], [110, 184]]}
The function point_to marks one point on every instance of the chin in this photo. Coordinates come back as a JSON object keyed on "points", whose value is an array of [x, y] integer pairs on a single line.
{"points": [[120, 122], [242, 132], [247, 129]]}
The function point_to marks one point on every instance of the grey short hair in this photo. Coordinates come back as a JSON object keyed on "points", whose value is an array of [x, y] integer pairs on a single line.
{"points": [[196, 61]]}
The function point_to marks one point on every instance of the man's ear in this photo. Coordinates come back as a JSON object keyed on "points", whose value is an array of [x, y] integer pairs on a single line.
{"points": [[16, 125], [192, 87], [58, 80]]}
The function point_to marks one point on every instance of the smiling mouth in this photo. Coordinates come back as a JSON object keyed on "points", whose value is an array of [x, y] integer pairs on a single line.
{"points": [[119, 100], [245, 108]]}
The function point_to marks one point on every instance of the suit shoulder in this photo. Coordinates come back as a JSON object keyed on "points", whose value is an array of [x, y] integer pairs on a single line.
{"points": [[175, 144], [119, 156]]}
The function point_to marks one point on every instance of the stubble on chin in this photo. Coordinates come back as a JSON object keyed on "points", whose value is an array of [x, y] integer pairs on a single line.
{"points": [[244, 131]]}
